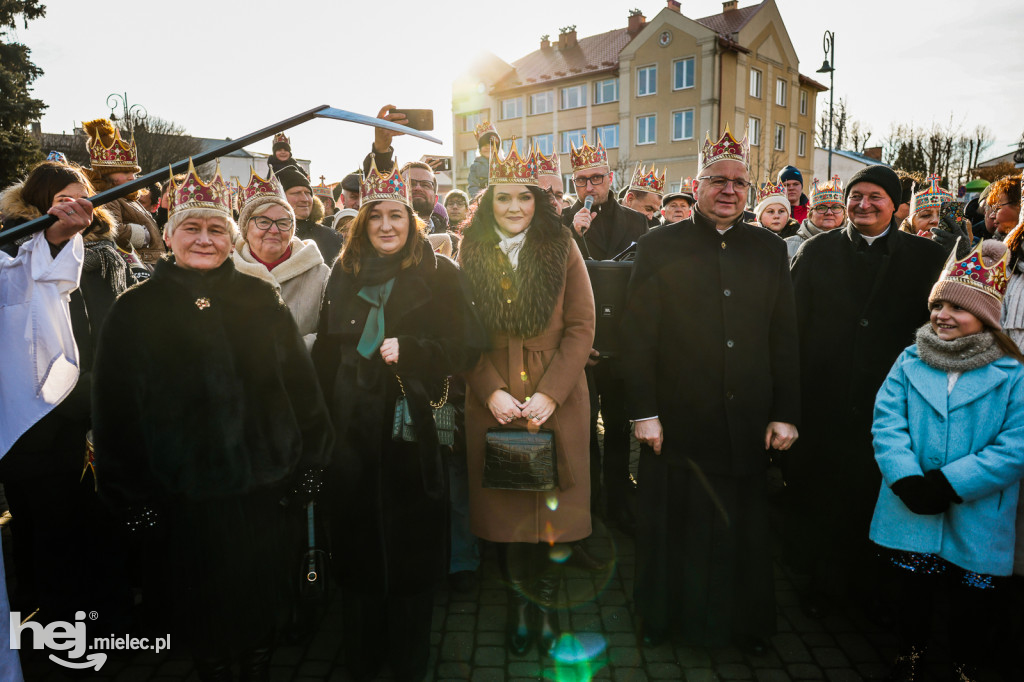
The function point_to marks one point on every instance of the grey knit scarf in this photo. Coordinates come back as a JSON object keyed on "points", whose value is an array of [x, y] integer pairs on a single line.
{"points": [[102, 255], [959, 355]]}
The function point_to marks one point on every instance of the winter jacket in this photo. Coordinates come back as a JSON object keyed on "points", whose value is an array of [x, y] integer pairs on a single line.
{"points": [[478, 171], [975, 436]]}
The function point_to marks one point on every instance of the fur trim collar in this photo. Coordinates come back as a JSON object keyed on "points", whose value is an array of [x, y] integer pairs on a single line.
{"points": [[14, 208], [305, 256], [519, 301]]}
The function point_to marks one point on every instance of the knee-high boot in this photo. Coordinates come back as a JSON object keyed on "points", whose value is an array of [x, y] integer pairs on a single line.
{"points": [[548, 583], [515, 562]]}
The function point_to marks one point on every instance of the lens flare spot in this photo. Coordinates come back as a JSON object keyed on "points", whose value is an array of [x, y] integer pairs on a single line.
{"points": [[578, 648], [560, 553], [552, 502]]}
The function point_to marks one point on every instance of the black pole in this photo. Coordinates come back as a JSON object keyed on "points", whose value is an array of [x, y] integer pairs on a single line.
{"points": [[830, 52]]}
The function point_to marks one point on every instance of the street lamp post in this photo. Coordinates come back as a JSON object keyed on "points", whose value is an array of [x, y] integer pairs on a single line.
{"points": [[128, 113], [829, 67]]}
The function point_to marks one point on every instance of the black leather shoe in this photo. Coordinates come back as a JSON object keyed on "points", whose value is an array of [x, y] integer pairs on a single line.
{"points": [[519, 612], [752, 645], [548, 583]]}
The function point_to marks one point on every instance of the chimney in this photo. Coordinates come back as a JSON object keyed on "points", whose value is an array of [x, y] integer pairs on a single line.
{"points": [[37, 128], [567, 38], [545, 44], [874, 152], [636, 22], [674, 6], [730, 6]]}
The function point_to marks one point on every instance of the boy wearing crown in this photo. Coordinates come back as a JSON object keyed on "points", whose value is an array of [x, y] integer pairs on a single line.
{"points": [[709, 356], [485, 133]]}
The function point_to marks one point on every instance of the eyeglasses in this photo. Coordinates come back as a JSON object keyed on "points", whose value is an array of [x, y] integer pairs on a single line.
{"points": [[828, 209], [719, 182], [425, 184], [264, 224], [996, 207], [594, 180]]}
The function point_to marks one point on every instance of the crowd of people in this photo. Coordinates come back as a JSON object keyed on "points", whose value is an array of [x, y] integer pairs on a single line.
{"points": [[202, 385]]}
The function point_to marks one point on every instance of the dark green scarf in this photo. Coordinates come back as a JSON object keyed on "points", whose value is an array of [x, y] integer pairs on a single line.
{"points": [[377, 277]]}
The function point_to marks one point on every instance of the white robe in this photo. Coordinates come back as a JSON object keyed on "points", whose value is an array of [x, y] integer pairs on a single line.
{"points": [[40, 360]]}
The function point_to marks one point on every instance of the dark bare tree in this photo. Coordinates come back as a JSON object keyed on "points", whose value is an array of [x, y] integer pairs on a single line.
{"points": [[162, 142]]}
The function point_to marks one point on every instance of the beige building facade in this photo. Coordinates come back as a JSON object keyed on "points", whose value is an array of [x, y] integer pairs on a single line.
{"points": [[649, 92]]}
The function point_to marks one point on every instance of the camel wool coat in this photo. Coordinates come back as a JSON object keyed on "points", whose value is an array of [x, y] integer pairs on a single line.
{"points": [[550, 362]]}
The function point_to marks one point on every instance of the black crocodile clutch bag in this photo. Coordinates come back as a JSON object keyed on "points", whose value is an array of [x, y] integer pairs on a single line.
{"points": [[516, 459]]}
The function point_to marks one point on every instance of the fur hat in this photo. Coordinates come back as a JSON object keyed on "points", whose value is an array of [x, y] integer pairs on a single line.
{"points": [[976, 282]]}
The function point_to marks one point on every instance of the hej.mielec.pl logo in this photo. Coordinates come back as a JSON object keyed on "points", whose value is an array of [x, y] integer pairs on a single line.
{"points": [[71, 638]]}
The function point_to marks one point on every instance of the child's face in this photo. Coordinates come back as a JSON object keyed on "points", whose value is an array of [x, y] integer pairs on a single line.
{"points": [[950, 321]]}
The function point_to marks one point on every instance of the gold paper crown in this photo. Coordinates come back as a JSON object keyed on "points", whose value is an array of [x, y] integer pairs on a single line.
{"points": [[769, 190], [932, 196], [686, 185], [259, 187], [548, 165], [485, 128], [194, 193], [971, 271], [322, 190], [281, 137], [379, 187], [644, 181], [829, 193], [587, 156], [727, 148], [513, 169], [107, 150]]}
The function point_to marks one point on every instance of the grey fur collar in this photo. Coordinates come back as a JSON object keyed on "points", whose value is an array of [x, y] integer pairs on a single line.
{"points": [[958, 355]]}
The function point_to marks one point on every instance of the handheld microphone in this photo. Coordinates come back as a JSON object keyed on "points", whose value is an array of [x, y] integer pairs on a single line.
{"points": [[588, 202]]}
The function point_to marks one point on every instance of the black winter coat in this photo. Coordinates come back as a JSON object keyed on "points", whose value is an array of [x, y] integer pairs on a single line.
{"points": [[612, 231], [327, 240], [709, 342], [389, 498]]}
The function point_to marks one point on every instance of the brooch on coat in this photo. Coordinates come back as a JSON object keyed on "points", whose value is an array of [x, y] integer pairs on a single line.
{"points": [[202, 303]]}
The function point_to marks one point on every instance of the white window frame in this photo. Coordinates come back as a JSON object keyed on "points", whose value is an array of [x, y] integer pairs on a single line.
{"points": [[780, 137], [756, 81], [604, 142], [581, 96], [754, 126], [471, 121], [803, 102], [551, 141], [470, 156], [652, 128], [801, 144], [506, 146], [781, 91], [548, 96], [518, 105], [642, 69], [565, 139], [693, 73], [682, 113], [599, 87]]}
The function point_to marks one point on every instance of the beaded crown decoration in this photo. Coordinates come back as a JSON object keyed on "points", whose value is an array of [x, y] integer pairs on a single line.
{"points": [[586, 156], [686, 185], [377, 186], [971, 271], [828, 193], [513, 169], [281, 137], [322, 190], [548, 165], [647, 181], [118, 154], [485, 128], [57, 156], [769, 190], [728, 148], [259, 187], [194, 193], [932, 196]]}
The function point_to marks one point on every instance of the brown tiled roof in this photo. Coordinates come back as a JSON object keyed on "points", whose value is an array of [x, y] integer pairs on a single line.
{"points": [[807, 80], [592, 54], [730, 22]]}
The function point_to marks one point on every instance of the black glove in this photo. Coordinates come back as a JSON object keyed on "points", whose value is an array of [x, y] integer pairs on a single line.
{"points": [[921, 495], [949, 235], [941, 485]]}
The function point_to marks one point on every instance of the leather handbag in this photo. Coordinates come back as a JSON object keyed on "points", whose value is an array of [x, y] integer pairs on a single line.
{"points": [[516, 459], [402, 428]]}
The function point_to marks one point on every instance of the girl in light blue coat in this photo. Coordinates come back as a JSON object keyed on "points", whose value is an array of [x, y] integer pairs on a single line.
{"points": [[949, 440]]}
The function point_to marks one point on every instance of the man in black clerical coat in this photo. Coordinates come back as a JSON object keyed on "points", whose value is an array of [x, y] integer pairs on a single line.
{"points": [[711, 364]]}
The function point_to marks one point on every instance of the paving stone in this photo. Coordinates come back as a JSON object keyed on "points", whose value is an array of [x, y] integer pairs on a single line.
{"points": [[457, 646], [613, 598], [460, 623], [873, 671], [771, 675], [659, 654], [842, 675], [805, 671], [830, 657], [857, 648], [437, 621], [488, 675], [318, 669], [813, 639], [493, 596], [491, 618], [621, 638], [693, 657], [531, 669], [624, 657], [616, 619], [589, 607], [726, 654], [629, 675], [490, 639], [435, 638], [790, 648], [701, 675], [586, 622], [664, 671], [462, 607], [734, 671], [453, 670], [489, 656]]}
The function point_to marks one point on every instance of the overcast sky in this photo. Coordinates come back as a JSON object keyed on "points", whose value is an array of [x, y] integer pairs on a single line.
{"points": [[223, 69]]}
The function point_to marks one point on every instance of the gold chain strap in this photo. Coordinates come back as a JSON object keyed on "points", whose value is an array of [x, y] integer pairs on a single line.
{"points": [[437, 405]]}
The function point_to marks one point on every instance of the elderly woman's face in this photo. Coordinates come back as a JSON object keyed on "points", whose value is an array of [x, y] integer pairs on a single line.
{"points": [[388, 227], [925, 219], [269, 233], [201, 243], [1005, 214]]}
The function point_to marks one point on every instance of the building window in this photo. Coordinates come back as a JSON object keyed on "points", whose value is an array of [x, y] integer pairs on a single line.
{"points": [[567, 183], [541, 102], [469, 156], [801, 144], [682, 125], [780, 92], [647, 81], [645, 129], [780, 137], [606, 91], [803, 102], [506, 147], [511, 108], [754, 129], [574, 96], [755, 83], [608, 135], [573, 136], [682, 74], [471, 121], [545, 144]]}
